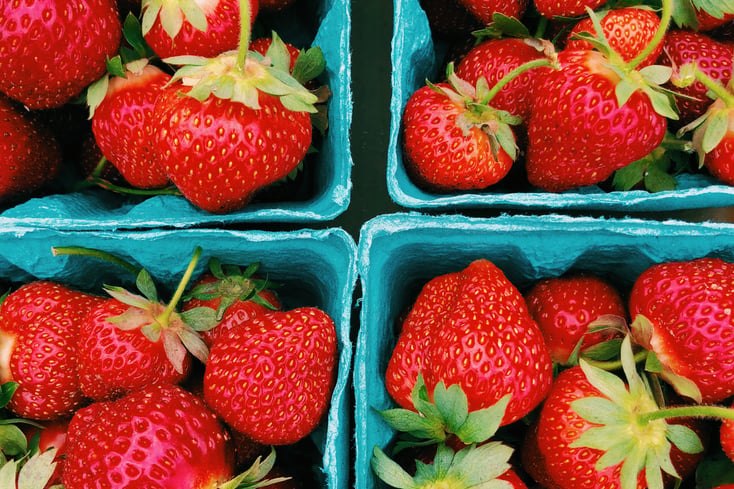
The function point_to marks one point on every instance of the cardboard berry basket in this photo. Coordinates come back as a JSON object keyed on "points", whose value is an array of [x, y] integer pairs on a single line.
{"points": [[323, 193], [399, 253], [417, 56], [313, 268]]}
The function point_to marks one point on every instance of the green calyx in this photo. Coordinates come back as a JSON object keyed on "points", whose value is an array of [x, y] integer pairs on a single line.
{"points": [[160, 322], [447, 414], [172, 14], [255, 476]]}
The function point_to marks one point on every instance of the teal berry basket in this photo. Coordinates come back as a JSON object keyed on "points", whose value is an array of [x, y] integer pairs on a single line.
{"points": [[322, 192], [313, 267], [399, 253], [417, 56]]}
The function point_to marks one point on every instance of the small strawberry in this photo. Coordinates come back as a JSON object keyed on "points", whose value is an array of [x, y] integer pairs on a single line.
{"points": [[271, 378], [32, 153], [159, 437], [726, 436], [628, 30], [566, 307], [484, 10], [193, 28], [50, 50], [565, 8], [681, 312], [129, 342], [235, 295], [39, 331]]}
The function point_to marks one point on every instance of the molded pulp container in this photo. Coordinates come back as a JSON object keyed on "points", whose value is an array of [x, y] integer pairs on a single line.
{"points": [[323, 23], [399, 253], [416, 57], [315, 268]]}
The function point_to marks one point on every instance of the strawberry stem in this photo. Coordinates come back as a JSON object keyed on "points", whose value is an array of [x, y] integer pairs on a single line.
{"points": [[103, 255], [170, 308], [537, 63], [611, 365], [244, 45], [695, 411], [665, 18]]}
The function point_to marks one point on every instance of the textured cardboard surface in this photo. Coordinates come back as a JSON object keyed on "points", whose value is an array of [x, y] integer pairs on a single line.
{"points": [[414, 59], [315, 268], [399, 253], [331, 168]]}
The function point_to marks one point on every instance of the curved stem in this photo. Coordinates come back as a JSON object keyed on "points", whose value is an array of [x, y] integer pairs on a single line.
{"points": [[103, 255], [164, 317], [665, 18], [537, 63], [616, 364], [99, 182], [717, 88], [244, 45], [696, 411]]}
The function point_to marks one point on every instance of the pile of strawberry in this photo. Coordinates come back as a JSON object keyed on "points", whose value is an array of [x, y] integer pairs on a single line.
{"points": [[560, 95], [122, 389], [180, 99], [572, 383]]}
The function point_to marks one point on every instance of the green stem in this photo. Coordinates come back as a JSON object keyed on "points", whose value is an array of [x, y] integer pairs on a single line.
{"points": [[537, 63], [696, 411], [103, 255], [676, 144], [665, 18], [165, 316], [244, 45], [717, 88], [102, 183], [611, 365]]}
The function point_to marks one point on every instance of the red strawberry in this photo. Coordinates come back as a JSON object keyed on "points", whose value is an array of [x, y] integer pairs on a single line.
{"points": [[237, 296], [160, 437], [198, 28], [628, 30], [707, 22], [271, 378], [565, 307], [717, 154], [493, 60], [40, 324], [50, 50], [726, 436], [565, 8], [485, 9], [712, 57], [122, 127], [688, 323], [578, 133], [452, 141], [32, 154]]}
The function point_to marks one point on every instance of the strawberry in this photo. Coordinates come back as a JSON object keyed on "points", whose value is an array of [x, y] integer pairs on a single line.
{"points": [[193, 28], [579, 132], [236, 295], [129, 341], [565, 8], [726, 436], [40, 327], [484, 10], [628, 30], [33, 155], [449, 19], [681, 313], [714, 138], [271, 378], [50, 50], [714, 58], [492, 60], [160, 437], [52, 435], [565, 308], [122, 128]]}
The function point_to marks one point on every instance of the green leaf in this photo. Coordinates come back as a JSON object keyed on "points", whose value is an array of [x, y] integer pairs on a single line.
{"points": [[12, 440], [652, 363], [96, 92], [482, 464], [144, 283], [278, 53], [200, 318], [605, 382], [132, 30], [684, 438], [656, 74], [193, 14], [116, 67], [452, 405], [657, 178], [628, 177], [194, 344], [8, 474], [407, 421], [171, 18], [37, 471], [601, 438], [653, 474], [631, 468], [716, 469], [6, 392], [716, 128], [150, 9], [309, 64], [663, 103], [716, 8], [482, 424], [605, 350], [390, 472], [615, 454], [599, 410]]}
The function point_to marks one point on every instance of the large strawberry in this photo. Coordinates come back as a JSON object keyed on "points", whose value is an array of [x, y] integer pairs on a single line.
{"points": [[50, 50], [271, 378], [565, 8], [31, 152], [193, 28], [681, 311], [39, 328], [484, 10], [161, 437], [565, 308]]}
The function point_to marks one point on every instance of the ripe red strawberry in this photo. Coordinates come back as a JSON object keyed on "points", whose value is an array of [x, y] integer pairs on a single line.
{"points": [[236, 295], [565, 307], [716, 153], [161, 437], [493, 60], [32, 154], [578, 133], [52, 435], [565, 8], [122, 124], [485, 9], [712, 57], [707, 22], [687, 307], [628, 30], [50, 50], [271, 378], [452, 141], [198, 28], [39, 327]]}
